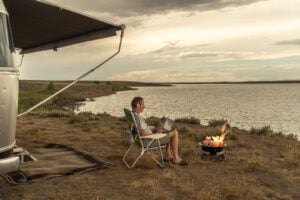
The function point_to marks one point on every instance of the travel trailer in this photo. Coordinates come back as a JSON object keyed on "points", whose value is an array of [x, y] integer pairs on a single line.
{"points": [[32, 26]]}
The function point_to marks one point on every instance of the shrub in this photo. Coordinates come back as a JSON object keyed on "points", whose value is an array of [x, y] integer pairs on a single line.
{"points": [[186, 130], [191, 120], [77, 119], [207, 131], [266, 130], [292, 136], [50, 86], [154, 121], [105, 114], [232, 136], [66, 99], [217, 122]]}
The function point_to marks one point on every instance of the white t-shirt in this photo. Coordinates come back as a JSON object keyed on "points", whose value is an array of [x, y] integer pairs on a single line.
{"points": [[141, 124]]}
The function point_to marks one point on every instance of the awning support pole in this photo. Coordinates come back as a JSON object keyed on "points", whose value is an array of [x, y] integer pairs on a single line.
{"points": [[80, 77]]}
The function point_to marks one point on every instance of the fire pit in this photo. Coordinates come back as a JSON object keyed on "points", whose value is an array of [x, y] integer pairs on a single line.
{"points": [[212, 151], [213, 147]]}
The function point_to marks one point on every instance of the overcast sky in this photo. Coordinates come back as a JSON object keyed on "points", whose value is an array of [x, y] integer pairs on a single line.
{"points": [[182, 40]]}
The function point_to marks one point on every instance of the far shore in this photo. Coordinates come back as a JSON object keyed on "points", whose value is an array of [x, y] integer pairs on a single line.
{"points": [[34, 91], [239, 82]]}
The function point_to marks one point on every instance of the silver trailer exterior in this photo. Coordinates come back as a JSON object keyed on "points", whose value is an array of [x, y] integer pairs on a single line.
{"points": [[9, 91], [64, 27]]}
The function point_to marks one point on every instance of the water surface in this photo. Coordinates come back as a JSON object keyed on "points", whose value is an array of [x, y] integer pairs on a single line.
{"points": [[243, 105]]}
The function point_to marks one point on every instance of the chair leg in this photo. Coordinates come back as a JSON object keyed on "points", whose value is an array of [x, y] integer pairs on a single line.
{"points": [[133, 164], [146, 149], [161, 154], [162, 163], [141, 154], [125, 155]]}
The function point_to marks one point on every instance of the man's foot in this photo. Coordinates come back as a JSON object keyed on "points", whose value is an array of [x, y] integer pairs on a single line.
{"points": [[180, 162], [168, 159]]}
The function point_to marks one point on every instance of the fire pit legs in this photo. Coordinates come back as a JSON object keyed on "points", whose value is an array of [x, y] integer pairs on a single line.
{"points": [[217, 156], [209, 152]]}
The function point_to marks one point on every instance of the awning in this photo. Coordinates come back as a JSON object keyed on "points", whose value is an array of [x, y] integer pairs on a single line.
{"points": [[39, 25]]}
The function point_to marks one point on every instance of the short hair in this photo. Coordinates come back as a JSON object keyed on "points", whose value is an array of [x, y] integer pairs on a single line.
{"points": [[135, 101]]}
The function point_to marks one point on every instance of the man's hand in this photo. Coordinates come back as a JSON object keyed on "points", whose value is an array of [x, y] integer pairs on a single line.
{"points": [[159, 130]]}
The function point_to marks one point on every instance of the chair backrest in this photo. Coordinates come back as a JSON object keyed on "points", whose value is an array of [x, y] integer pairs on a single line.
{"points": [[132, 125]]}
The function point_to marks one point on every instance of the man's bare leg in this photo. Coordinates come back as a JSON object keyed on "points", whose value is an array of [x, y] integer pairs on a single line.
{"points": [[169, 153], [174, 142]]}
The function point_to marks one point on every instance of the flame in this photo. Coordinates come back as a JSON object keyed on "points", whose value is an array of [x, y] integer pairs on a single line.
{"points": [[214, 141]]}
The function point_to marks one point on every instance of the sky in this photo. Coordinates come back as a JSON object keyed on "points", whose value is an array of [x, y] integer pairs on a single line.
{"points": [[181, 41]]}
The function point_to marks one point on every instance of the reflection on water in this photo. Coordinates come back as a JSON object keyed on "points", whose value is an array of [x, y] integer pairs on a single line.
{"points": [[243, 105]]}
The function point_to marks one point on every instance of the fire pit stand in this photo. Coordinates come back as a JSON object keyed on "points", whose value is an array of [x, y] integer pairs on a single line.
{"points": [[208, 152]]}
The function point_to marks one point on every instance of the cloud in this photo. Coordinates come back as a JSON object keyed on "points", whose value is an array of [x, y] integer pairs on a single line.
{"points": [[289, 42], [193, 54], [168, 47], [143, 75], [218, 54], [174, 46], [127, 8]]}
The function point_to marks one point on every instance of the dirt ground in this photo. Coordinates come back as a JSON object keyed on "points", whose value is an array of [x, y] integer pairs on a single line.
{"points": [[257, 166]]}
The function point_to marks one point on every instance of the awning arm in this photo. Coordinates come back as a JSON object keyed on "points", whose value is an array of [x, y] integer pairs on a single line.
{"points": [[80, 77]]}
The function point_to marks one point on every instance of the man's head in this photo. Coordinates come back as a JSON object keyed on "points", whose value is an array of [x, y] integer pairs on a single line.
{"points": [[137, 104]]}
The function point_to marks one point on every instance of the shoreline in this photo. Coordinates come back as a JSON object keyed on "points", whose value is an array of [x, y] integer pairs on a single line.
{"points": [[240, 82]]}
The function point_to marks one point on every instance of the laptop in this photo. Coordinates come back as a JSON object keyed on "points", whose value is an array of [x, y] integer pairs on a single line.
{"points": [[168, 124]]}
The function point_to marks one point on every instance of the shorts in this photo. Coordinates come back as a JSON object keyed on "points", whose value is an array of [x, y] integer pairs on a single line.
{"points": [[163, 141]]}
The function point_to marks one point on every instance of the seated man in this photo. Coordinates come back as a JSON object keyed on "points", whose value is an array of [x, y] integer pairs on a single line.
{"points": [[171, 138]]}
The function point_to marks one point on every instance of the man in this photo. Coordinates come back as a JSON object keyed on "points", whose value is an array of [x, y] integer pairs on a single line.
{"points": [[171, 139]]}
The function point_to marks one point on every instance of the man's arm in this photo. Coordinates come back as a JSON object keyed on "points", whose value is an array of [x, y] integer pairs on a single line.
{"points": [[143, 132]]}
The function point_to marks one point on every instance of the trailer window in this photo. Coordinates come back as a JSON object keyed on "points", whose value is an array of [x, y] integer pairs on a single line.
{"points": [[5, 50]]}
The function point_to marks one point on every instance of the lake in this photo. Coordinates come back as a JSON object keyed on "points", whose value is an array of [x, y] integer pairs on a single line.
{"points": [[243, 105]]}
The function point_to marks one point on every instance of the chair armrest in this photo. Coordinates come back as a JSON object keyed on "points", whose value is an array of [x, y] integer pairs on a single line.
{"points": [[154, 136]]}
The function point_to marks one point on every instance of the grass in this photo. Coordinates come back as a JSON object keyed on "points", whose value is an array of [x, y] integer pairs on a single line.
{"points": [[248, 173], [33, 92], [29, 98], [253, 166], [260, 163]]}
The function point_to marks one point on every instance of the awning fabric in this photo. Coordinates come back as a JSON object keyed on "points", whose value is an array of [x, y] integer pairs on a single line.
{"points": [[39, 25]]}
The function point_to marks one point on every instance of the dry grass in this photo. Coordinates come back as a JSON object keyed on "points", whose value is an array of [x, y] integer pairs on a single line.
{"points": [[258, 166]]}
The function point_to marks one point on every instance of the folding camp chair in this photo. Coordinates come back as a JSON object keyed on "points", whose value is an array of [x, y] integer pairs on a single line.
{"points": [[138, 141]]}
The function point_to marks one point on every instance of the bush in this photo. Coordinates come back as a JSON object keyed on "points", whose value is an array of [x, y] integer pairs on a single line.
{"points": [[207, 131], [266, 130], [77, 119], [105, 114], [154, 121], [292, 136], [66, 99], [50, 86], [191, 120], [217, 122]]}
